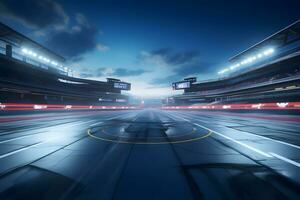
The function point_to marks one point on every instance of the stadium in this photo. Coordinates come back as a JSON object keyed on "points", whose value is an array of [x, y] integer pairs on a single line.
{"points": [[263, 75], [33, 76], [65, 136]]}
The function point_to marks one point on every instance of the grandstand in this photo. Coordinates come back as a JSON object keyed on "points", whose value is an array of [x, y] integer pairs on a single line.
{"points": [[31, 73], [268, 71]]}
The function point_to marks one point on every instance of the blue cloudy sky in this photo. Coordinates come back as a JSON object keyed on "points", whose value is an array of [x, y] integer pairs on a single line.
{"points": [[149, 43]]}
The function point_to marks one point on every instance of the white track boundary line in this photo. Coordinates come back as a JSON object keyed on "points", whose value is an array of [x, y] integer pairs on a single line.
{"points": [[285, 159], [264, 137], [36, 134], [236, 141], [13, 139], [231, 139], [270, 154], [71, 125], [19, 150]]}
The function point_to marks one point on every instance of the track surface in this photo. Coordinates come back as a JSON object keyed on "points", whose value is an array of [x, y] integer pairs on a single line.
{"points": [[149, 154]]}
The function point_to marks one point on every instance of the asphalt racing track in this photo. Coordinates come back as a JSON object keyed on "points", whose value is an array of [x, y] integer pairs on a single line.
{"points": [[149, 154]]}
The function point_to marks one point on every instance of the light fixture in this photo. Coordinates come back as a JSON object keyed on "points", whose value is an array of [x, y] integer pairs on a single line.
{"points": [[40, 57], [249, 60], [24, 50]]}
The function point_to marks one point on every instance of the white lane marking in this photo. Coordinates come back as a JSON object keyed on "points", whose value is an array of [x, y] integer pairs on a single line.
{"points": [[285, 159], [12, 139], [267, 138], [35, 134], [70, 125], [19, 150], [233, 140], [278, 141], [17, 131], [271, 154], [236, 141]]}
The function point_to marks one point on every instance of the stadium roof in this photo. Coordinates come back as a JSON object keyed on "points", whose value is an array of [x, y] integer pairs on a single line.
{"points": [[281, 38], [17, 39]]}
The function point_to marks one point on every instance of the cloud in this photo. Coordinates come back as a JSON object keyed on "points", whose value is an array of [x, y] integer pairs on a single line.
{"points": [[81, 19], [35, 14], [198, 68], [39, 33], [102, 47], [96, 72], [47, 18], [86, 75], [167, 56], [175, 58], [180, 64], [183, 71], [108, 71], [75, 42], [166, 81], [121, 72]]}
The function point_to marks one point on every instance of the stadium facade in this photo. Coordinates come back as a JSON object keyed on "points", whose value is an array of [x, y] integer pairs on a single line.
{"points": [[32, 74], [268, 72]]}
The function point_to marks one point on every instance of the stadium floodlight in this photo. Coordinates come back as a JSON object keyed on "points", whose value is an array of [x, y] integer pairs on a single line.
{"points": [[271, 50], [234, 66], [24, 50], [54, 63], [38, 56], [46, 59], [223, 71], [266, 53], [249, 60]]}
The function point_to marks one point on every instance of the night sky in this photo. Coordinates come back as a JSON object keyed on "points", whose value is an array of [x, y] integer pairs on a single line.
{"points": [[148, 43]]}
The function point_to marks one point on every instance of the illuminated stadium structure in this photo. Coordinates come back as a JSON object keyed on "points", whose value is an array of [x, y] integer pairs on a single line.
{"points": [[268, 72], [33, 74]]}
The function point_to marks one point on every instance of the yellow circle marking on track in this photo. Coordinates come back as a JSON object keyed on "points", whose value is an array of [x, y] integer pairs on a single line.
{"points": [[89, 132]]}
